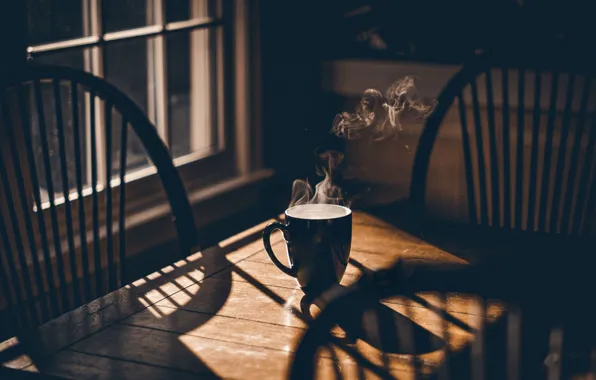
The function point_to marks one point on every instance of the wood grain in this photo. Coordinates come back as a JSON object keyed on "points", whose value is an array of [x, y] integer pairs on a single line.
{"points": [[228, 312]]}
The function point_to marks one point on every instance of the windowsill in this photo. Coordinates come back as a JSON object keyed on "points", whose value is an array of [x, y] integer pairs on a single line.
{"points": [[148, 227], [136, 174]]}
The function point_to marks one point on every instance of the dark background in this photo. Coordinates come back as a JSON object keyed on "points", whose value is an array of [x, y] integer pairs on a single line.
{"points": [[297, 37]]}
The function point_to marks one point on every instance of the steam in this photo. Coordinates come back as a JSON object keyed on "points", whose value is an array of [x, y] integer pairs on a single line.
{"points": [[380, 113], [326, 191]]}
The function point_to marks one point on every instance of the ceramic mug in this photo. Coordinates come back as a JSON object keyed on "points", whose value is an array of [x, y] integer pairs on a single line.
{"points": [[318, 239]]}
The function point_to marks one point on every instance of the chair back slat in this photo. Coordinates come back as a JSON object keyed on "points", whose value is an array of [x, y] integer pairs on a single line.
{"points": [[467, 159], [65, 186], [581, 213], [536, 118], [506, 149], [74, 100], [47, 169], [4, 283], [574, 160], [121, 219], [519, 159], [547, 153], [560, 169], [112, 283], [480, 155], [492, 142], [95, 196]]}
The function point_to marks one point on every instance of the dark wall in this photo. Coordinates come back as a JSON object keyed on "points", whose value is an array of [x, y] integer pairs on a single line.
{"points": [[298, 36], [295, 116], [12, 33]]}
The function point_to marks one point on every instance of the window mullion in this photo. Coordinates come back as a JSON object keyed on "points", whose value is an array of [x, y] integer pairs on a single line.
{"points": [[219, 97], [94, 63], [157, 84], [200, 82], [241, 95]]}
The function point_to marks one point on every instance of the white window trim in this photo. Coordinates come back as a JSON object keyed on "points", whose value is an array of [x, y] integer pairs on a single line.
{"points": [[157, 84]]}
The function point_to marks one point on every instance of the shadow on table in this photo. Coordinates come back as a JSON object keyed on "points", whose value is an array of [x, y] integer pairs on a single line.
{"points": [[356, 326], [76, 331], [528, 346]]}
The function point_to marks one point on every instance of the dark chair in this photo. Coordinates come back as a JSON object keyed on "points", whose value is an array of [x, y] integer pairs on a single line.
{"points": [[62, 250], [528, 139], [369, 330], [528, 133]]}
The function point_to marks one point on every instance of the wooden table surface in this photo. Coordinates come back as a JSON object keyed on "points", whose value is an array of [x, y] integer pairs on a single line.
{"points": [[228, 312]]}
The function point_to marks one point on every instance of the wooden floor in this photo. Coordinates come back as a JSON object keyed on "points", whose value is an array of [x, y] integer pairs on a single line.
{"points": [[228, 312]]}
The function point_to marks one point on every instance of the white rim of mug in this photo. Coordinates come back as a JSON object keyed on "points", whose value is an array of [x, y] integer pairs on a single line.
{"points": [[348, 211]]}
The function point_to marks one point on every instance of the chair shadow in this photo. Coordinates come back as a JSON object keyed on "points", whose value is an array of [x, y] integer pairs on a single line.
{"points": [[545, 300], [114, 310], [379, 325], [389, 331]]}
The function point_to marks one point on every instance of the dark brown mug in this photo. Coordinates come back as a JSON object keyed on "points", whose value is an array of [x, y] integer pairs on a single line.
{"points": [[318, 240]]}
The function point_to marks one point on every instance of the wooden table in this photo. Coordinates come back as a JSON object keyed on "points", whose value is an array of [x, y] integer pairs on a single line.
{"points": [[229, 312]]}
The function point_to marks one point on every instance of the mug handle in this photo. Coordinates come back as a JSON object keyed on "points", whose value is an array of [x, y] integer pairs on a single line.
{"points": [[267, 242]]}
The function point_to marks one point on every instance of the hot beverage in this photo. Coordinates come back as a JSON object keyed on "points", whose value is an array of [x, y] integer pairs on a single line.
{"points": [[318, 239]]}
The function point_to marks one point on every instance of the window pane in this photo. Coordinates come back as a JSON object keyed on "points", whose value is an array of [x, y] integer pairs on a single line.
{"points": [[192, 84], [126, 14], [52, 135], [126, 68], [136, 157], [54, 20], [70, 58], [179, 10], [179, 92]]}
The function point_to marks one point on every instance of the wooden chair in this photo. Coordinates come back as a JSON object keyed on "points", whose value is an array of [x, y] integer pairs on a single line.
{"points": [[59, 249], [528, 154]]}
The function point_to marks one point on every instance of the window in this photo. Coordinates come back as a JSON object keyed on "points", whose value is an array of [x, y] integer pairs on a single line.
{"points": [[185, 63], [167, 55]]}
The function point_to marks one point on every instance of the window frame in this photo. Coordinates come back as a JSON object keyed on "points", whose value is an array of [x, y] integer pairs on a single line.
{"points": [[231, 156], [235, 158]]}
